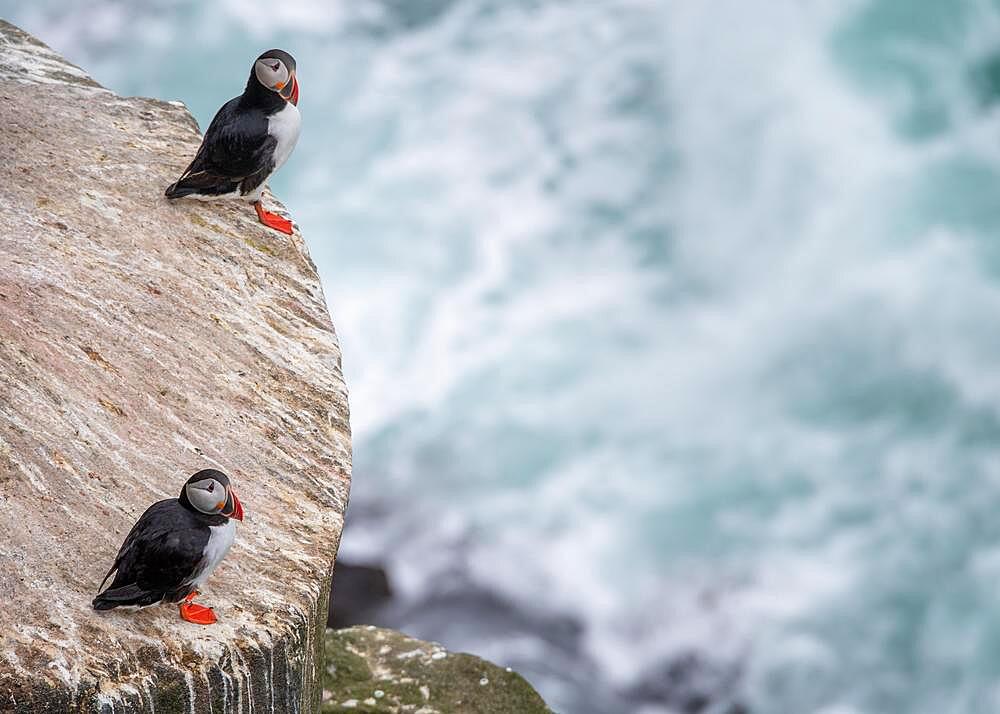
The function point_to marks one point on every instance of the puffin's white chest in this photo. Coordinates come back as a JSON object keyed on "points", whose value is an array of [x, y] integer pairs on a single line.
{"points": [[219, 541], [284, 126]]}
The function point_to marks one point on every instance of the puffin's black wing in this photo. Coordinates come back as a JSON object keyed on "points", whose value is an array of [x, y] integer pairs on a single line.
{"points": [[236, 153], [159, 557]]}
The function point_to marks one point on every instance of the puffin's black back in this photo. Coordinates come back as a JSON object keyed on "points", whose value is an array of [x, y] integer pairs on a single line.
{"points": [[159, 557], [236, 152]]}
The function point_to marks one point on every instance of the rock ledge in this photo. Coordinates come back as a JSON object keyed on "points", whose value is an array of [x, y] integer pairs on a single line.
{"points": [[139, 342]]}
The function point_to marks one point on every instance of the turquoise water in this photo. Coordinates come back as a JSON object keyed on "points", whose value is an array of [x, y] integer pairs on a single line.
{"points": [[673, 318]]}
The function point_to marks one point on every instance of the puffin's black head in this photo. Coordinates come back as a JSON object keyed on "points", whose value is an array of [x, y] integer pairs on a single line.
{"points": [[210, 492], [275, 70]]}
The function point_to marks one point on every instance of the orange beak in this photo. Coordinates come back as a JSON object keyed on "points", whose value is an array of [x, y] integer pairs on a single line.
{"points": [[290, 90], [235, 508]]}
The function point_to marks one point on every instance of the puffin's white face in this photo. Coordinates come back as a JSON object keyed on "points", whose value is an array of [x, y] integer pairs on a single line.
{"points": [[272, 73], [275, 69], [208, 495]]}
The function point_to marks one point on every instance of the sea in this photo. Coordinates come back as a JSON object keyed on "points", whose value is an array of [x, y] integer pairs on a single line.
{"points": [[670, 326]]}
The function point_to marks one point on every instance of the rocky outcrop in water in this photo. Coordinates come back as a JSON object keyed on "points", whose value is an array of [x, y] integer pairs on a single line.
{"points": [[141, 341], [369, 669]]}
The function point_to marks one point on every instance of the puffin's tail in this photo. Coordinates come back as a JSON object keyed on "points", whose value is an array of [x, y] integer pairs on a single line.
{"points": [[126, 595], [176, 190], [202, 183]]}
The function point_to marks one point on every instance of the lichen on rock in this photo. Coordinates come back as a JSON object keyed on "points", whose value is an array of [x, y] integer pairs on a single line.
{"points": [[374, 670], [139, 342]]}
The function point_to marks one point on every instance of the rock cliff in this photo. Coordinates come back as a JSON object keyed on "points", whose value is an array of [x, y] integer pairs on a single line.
{"points": [[141, 341]]}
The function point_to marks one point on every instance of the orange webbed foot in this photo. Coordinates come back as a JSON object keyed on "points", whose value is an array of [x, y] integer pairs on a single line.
{"points": [[198, 614], [272, 220]]}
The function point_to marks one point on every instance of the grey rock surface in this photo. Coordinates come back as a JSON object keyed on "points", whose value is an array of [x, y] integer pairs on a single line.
{"points": [[140, 341]]}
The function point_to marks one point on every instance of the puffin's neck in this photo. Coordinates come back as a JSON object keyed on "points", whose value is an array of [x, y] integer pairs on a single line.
{"points": [[257, 96]]}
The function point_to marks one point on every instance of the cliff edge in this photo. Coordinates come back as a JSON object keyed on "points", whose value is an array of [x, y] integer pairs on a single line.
{"points": [[139, 342]]}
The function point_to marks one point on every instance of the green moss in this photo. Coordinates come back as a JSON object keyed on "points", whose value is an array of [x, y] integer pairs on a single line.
{"points": [[343, 667], [262, 247], [256, 245], [199, 221], [376, 670]]}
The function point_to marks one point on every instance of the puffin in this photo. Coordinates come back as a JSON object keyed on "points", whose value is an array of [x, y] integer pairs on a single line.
{"points": [[174, 547], [251, 136]]}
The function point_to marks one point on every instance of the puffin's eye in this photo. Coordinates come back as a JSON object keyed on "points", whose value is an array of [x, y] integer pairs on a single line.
{"points": [[275, 67], [211, 487]]}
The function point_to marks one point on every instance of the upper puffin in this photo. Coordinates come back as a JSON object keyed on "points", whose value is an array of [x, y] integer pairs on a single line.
{"points": [[174, 546], [250, 137]]}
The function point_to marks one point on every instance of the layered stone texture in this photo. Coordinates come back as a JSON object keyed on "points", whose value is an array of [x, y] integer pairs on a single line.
{"points": [[139, 342]]}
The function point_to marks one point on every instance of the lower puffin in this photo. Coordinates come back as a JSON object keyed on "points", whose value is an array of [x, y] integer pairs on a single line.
{"points": [[174, 547]]}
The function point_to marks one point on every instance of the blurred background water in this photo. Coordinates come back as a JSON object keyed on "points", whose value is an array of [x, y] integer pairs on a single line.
{"points": [[670, 327]]}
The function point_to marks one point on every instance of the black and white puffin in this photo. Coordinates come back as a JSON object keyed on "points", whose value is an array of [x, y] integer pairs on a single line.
{"points": [[173, 548], [250, 137]]}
